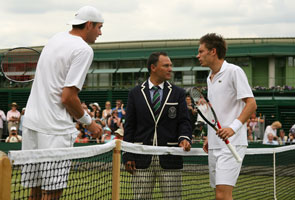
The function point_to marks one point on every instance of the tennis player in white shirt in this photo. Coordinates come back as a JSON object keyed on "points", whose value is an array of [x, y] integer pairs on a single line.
{"points": [[54, 102], [233, 101]]}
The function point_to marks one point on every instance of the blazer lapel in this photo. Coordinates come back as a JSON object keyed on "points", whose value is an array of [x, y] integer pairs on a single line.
{"points": [[165, 93], [146, 94]]}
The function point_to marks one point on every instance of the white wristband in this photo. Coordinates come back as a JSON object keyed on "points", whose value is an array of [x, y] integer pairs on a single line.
{"points": [[236, 125], [85, 119]]}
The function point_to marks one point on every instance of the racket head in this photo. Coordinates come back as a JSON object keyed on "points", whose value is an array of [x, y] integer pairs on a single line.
{"points": [[204, 107], [19, 64], [196, 94]]}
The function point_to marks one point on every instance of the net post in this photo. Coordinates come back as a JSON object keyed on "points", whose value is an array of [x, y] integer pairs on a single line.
{"points": [[5, 176], [274, 176], [116, 171]]}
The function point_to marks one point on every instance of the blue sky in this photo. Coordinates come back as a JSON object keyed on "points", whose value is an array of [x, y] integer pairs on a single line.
{"points": [[33, 22]]}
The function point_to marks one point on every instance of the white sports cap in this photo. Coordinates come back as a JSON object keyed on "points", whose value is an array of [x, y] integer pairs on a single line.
{"points": [[85, 14]]}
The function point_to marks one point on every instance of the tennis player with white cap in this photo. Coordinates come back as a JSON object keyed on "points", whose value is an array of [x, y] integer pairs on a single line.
{"points": [[54, 102]]}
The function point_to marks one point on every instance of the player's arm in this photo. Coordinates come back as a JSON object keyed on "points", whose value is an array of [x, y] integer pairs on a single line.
{"points": [[249, 108], [72, 103]]}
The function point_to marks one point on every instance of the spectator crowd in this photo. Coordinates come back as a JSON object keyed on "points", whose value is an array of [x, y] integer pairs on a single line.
{"points": [[112, 122]]}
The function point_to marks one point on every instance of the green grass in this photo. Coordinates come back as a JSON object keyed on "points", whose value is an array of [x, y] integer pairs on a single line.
{"points": [[94, 184]]}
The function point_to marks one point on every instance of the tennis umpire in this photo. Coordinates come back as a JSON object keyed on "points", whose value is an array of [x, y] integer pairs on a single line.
{"points": [[157, 115]]}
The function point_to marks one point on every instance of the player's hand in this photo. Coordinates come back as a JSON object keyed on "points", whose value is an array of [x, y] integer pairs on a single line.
{"points": [[225, 133], [185, 145], [130, 167], [205, 145], [201, 101], [95, 129]]}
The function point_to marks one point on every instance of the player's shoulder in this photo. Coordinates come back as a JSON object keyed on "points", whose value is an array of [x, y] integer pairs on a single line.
{"points": [[233, 68]]}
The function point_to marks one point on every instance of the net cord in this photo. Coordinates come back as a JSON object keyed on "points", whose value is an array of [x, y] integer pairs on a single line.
{"points": [[47, 155]]}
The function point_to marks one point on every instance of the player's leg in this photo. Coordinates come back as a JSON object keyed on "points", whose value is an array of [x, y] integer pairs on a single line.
{"points": [[224, 192], [52, 185], [227, 171], [30, 172]]}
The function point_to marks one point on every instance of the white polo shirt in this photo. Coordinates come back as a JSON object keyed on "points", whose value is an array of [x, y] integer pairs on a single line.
{"points": [[64, 62], [225, 92]]}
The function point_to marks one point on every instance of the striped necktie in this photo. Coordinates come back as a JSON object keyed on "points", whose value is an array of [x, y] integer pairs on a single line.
{"points": [[156, 103]]}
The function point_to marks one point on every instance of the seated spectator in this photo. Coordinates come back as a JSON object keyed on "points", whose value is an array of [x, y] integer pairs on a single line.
{"points": [[2, 119], [119, 133], [114, 122], [253, 126], [108, 110], [107, 136], [272, 129], [95, 109], [81, 138], [13, 136], [282, 139], [95, 114], [270, 140], [120, 108], [13, 116], [291, 139]]}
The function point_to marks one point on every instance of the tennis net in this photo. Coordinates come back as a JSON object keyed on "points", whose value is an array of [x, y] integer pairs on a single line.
{"points": [[98, 172]]}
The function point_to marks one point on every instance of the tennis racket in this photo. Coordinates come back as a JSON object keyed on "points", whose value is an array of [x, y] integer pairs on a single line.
{"points": [[210, 117], [19, 64]]}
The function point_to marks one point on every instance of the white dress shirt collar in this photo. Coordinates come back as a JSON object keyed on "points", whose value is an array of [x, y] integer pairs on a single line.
{"points": [[151, 84]]}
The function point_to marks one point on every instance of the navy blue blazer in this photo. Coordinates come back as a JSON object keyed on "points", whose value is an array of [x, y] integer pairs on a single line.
{"points": [[171, 127]]}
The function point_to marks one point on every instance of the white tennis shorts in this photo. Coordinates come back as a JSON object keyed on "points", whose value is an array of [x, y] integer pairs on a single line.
{"points": [[48, 176], [223, 167]]}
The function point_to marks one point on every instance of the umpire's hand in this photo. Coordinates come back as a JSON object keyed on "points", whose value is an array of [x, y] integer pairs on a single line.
{"points": [[130, 167], [185, 145], [95, 129]]}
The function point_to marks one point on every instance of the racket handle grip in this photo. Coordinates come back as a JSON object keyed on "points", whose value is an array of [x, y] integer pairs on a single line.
{"points": [[233, 151], [218, 125]]}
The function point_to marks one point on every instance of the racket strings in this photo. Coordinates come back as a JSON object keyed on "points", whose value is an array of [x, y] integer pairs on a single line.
{"points": [[196, 95], [206, 111], [19, 64]]}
